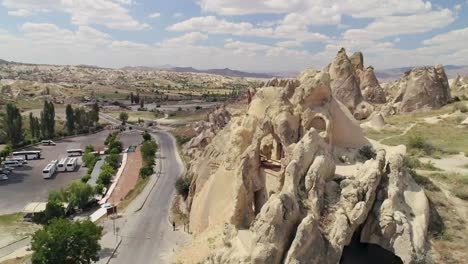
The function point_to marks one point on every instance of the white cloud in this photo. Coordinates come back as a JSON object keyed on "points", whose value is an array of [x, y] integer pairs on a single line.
{"points": [[186, 39], [452, 40], [155, 15], [52, 35], [178, 15], [400, 25], [289, 44], [84, 12], [320, 11], [20, 13], [125, 2], [291, 27]]}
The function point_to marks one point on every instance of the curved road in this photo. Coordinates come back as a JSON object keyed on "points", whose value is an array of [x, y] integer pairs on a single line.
{"points": [[145, 233]]}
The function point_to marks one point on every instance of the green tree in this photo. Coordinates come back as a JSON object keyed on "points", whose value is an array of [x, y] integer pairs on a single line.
{"points": [[79, 194], [115, 146], [70, 119], [89, 148], [32, 127], [54, 209], [123, 116], [64, 241], [148, 152], [48, 120], [6, 151], [94, 114], [146, 136], [13, 124]]}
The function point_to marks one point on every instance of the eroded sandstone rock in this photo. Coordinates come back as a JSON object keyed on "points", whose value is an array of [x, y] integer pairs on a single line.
{"points": [[423, 87], [270, 177]]}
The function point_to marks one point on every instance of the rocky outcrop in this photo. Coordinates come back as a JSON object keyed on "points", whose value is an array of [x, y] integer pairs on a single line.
{"points": [[206, 130], [363, 111], [351, 83], [270, 177], [370, 87], [357, 60], [423, 87], [344, 81]]}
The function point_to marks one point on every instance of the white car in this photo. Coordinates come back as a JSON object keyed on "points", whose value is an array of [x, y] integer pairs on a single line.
{"points": [[3, 177], [48, 143]]}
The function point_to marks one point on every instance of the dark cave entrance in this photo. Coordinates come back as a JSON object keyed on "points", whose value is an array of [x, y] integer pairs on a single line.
{"points": [[365, 253]]}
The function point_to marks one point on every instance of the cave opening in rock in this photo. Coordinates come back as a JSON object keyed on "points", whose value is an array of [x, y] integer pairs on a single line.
{"points": [[364, 253], [319, 124]]}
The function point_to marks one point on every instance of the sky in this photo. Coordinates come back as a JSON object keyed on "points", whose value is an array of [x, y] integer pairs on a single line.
{"points": [[250, 35]]}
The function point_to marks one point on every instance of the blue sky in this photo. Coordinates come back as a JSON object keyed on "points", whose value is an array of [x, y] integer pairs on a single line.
{"points": [[262, 35]]}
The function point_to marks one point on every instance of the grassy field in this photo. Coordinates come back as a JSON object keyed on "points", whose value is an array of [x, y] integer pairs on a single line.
{"points": [[446, 136]]}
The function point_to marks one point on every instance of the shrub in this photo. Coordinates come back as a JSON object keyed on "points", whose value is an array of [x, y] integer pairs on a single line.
{"points": [[367, 152], [419, 146], [183, 186], [181, 140], [99, 189], [86, 178], [146, 171], [460, 106]]}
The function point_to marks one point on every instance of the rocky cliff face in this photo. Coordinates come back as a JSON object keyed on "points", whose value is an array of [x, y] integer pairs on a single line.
{"points": [[276, 180], [423, 87]]}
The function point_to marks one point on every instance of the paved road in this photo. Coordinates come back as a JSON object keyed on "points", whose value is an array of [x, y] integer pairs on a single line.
{"points": [[145, 233]]}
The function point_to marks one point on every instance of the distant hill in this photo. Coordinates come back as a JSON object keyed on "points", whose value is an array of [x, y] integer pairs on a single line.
{"points": [[395, 73], [4, 61], [223, 72]]}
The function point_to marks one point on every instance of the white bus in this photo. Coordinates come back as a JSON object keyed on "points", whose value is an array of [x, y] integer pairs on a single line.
{"points": [[49, 170], [28, 155], [62, 165], [74, 152], [71, 164]]}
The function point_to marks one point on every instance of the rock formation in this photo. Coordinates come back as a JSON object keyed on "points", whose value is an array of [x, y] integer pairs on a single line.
{"points": [[370, 87], [351, 83], [344, 81], [423, 87], [273, 178], [206, 130]]}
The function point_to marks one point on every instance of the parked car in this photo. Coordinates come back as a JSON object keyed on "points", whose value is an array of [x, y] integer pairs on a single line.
{"points": [[7, 168], [48, 143], [3, 177], [6, 172]]}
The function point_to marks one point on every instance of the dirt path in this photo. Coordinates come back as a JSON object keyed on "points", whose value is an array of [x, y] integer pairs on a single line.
{"points": [[129, 177], [399, 135], [453, 163]]}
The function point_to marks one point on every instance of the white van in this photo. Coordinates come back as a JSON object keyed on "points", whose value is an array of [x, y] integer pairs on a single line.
{"points": [[62, 165], [49, 170], [12, 163], [20, 159], [71, 164]]}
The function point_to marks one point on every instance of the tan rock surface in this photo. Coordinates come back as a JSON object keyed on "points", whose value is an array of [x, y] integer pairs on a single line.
{"points": [[269, 178], [424, 87]]}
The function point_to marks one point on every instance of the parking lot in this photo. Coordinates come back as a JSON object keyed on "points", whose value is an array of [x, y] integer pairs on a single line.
{"points": [[25, 184]]}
